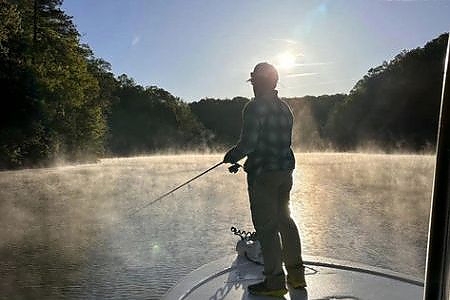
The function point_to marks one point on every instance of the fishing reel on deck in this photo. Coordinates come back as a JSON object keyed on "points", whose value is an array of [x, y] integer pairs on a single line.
{"points": [[248, 246], [234, 169]]}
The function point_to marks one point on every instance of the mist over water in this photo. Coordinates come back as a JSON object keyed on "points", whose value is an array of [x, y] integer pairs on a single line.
{"points": [[67, 232]]}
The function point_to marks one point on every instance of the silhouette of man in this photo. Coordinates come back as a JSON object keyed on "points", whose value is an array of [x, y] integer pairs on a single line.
{"points": [[266, 141]]}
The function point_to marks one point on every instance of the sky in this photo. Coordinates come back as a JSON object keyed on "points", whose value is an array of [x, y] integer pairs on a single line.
{"points": [[207, 48]]}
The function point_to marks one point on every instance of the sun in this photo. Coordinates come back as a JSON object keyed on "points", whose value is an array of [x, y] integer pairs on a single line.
{"points": [[285, 60]]}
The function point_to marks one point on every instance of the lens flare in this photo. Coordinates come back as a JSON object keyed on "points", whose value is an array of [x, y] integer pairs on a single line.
{"points": [[285, 60]]}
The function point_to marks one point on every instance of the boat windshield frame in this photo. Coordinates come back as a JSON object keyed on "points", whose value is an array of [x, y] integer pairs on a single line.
{"points": [[437, 270]]}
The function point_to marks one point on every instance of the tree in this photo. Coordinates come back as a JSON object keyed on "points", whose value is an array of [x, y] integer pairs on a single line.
{"points": [[222, 117], [51, 93], [394, 106], [144, 120]]}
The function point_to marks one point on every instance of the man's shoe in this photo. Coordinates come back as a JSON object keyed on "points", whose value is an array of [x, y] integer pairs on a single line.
{"points": [[261, 289], [297, 282]]}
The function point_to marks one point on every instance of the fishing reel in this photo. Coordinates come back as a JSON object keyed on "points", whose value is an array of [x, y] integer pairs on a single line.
{"points": [[248, 246], [234, 168]]}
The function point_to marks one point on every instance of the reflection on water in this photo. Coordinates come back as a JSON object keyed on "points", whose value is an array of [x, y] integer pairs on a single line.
{"points": [[65, 231], [374, 208]]}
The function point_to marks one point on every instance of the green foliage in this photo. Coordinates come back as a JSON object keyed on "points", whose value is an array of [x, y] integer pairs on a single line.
{"points": [[63, 102], [9, 27], [396, 105], [222, 117], [21, 132], [150, 119], [311, 116], [52, 107], [59, 100]]}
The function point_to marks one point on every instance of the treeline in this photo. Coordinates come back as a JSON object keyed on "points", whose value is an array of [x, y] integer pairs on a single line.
{"points": [[52, 103], [62, 102], [224, 119], [145, 120], [51, 100], [394, 107]]}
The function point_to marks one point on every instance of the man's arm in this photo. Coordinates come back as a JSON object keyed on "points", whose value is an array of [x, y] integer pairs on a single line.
{"points": [[249, 135]]}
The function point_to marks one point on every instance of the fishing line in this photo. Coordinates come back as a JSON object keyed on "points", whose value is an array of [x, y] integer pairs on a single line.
{"points": [[174, 189], [126, 219]]}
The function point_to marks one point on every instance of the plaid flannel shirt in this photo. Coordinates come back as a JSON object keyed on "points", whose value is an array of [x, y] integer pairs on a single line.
{"points": [[265, 136]]}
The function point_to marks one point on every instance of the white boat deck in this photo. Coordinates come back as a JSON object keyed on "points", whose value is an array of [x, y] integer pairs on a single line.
{"points": [[327, 279]]}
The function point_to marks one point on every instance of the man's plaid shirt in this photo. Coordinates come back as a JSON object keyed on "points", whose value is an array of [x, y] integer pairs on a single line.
{"points": [[265, 136]]}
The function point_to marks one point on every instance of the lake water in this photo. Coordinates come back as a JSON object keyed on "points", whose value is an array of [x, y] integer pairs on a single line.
{"points": [[66, 232]]}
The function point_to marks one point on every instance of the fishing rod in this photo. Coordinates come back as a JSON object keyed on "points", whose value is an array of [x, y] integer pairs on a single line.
{"points": [[233, 169]]}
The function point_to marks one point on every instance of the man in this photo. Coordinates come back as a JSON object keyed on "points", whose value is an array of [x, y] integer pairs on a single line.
{"points": [[266, 141]]}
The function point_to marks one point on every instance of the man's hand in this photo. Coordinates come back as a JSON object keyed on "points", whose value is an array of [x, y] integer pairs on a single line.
{"points": [[230, 156]]}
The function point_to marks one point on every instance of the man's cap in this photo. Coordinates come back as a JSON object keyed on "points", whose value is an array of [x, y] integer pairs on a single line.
{"points": [[264, 71]]}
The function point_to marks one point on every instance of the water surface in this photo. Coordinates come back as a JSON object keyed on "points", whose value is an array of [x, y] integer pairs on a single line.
{"points": [[66, 232]]}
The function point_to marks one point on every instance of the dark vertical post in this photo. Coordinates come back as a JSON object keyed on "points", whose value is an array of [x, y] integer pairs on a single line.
{"points": [[438, 253]]}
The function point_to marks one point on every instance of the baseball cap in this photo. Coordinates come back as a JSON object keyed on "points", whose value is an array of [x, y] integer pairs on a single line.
{"points": [[265, 71]]}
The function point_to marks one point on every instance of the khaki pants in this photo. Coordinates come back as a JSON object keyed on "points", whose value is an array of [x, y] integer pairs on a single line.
{"points": [[269, 204]]}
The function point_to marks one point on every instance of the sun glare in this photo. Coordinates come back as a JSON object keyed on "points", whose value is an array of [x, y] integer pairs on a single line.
{"points": [[286, 60]]}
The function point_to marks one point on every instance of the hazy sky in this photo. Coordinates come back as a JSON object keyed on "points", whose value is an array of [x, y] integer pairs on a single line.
{"points": [[197, 49]]}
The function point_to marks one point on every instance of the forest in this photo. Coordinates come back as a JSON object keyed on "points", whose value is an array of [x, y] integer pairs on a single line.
{"points": [[61, 102]]}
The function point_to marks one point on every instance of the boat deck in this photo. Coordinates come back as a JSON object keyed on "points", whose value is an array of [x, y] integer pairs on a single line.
{"points": [[327, 279]]}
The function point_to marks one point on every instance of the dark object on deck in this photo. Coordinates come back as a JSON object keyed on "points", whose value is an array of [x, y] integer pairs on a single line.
{"points": [[234, 168]]}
